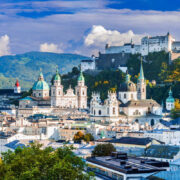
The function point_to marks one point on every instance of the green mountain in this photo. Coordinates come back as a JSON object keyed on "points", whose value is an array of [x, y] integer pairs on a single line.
{"points": [[26, 67]]}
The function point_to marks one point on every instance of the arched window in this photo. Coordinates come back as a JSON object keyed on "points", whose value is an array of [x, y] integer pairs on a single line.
{"points": [[83, 93], [99, 112], [59, 92], [124, 96]]}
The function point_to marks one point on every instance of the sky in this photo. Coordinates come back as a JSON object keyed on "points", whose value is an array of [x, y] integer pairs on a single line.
{"points": [[82, 26]]}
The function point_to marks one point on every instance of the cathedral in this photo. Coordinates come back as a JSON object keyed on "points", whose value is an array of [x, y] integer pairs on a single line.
{"points": [[54, 96], [130, 103]]}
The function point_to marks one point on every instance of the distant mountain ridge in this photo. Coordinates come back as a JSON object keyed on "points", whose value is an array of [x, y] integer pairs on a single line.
{"points": [[26, 67]]}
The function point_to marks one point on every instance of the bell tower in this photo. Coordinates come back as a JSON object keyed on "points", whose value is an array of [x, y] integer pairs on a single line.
{"points": [[56, 90], [81, 92], [141, 85]]}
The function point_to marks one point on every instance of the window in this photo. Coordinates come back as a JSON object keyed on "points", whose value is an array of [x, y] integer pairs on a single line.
{"points": [[39, 94], [99, 112], [107, 110], [114, 110], [94, 112], [124, 96], [132, 96], [59, 92]]}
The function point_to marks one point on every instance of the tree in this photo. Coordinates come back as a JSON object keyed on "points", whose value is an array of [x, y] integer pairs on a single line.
{"points": [[88, 137], [33, 162], [79, 136], [103, 150]]}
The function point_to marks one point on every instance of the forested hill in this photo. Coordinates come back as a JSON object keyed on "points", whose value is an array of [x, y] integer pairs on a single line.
{"points": [[26, 67]]}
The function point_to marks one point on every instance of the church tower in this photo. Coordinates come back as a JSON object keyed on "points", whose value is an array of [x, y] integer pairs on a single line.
{"points": [[170, 102], [141, 85], [56, 90], [81, 92], [17, 88]]}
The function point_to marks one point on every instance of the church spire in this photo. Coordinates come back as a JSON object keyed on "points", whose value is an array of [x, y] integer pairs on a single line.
{"points": [[141, 76], [81, 77]]}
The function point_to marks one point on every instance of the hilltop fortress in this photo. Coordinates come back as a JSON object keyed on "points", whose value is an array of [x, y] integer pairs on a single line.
{"points": [[117, 56], [148, 45]]}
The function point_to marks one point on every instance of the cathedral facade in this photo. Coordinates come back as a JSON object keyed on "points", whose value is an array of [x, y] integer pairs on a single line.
{"points": [[54, 96]]}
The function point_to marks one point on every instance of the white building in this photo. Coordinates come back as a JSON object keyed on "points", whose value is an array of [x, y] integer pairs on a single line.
{"points": [[169, 137], [17, 88], [41, 97], [148, 44], [108, 110], [88, 64], [131, 104]]}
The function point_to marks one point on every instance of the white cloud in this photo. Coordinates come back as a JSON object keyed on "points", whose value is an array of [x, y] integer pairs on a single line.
{"points": [[4, 45], [99, 36], [45, 47]]}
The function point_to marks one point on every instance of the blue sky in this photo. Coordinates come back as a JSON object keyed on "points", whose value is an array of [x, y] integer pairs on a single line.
{"points": [[82, 26]]}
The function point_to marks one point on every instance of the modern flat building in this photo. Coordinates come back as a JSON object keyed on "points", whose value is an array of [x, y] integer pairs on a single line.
{"points": [[119, 166]]}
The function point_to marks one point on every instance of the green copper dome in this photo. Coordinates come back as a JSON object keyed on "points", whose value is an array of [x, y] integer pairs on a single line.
{"points": [[170, 98], [57, 76], [81, 77], [40, 84]]}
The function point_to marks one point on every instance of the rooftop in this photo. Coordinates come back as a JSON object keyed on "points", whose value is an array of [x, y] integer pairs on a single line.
{"points": [[130, 140], [129, 165]]}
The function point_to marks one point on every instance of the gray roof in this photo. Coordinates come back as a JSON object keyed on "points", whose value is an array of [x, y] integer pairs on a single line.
{"points": [[140, 103]]}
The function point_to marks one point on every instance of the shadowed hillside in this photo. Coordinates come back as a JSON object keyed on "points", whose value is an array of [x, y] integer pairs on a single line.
{"points": [[26, 67]]}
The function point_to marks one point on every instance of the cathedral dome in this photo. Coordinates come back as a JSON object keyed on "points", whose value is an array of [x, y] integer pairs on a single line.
{"points": [[40, 84], [128, 85]]}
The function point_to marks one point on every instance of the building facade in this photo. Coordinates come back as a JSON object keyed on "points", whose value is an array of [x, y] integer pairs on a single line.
{"points": [[58, 98]]}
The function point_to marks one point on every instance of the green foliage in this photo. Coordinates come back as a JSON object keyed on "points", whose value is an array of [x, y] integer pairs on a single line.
{"points": [[103, 150], [150, 65], [102, 82], [88, 137], [79, 136], [175, 113], [42, 164]]}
